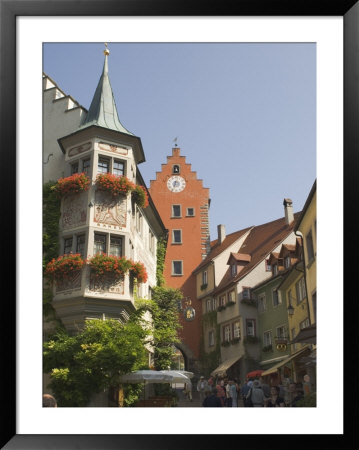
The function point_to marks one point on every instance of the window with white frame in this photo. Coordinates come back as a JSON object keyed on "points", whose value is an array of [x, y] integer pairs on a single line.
{"points": [[246, 293], [250, 327], [237, 329], [231, 297], [304, 324], [310, 248], [118, 168], [176, 211], [262, 303], [116, 245], [281, 332], [204, 277], [176, 236], [233, 270], [211, 341], [80, 244], [215, 303], [268, 266], [267, 338], [74, 167], [222, 300], [300, 290], [99, 245], [151, 241], [103, 165], [177, 268], [208, 305], [227, 333], [139, 221], [276, 298], [190, 212], [86, 166], [287, 262], [67, 245]]}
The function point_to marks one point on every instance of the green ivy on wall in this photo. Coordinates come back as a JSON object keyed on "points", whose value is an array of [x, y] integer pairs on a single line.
{"points": [[161, 254], [50, 219]]}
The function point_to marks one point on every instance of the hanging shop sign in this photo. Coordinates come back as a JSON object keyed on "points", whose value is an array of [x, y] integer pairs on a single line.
{"points": [[189, 313]]}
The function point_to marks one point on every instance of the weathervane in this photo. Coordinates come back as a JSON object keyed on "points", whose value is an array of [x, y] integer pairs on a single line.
{"points": [[175, 141], [106, 51]]}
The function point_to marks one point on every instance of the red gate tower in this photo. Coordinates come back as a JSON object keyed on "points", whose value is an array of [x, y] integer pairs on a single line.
{"points": [[183, 205]]}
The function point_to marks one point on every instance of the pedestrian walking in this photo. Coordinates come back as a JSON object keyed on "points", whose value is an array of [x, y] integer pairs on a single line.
{"points": [[256, 394], [202, 388], [211, 399], [233, 394], [220, 392], [274, 400]]}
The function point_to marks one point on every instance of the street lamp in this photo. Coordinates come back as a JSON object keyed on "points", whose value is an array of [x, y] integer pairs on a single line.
{"points": [[290, 309]]}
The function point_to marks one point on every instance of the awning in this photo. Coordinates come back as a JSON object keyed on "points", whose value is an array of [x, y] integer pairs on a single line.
{"points": [[221, 370], [307, 335], [274, 368]]}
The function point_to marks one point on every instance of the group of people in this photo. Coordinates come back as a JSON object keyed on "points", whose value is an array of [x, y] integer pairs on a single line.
{"points": [[225, 392], [221, 392]]}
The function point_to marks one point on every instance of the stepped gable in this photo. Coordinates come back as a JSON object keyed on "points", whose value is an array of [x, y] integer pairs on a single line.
{"points": [[217, 248], [260, 242]]}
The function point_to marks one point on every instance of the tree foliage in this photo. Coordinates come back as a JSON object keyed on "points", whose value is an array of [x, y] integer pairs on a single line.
{"points": [[165, 323], [161, 254], [84, 364], [50, 217]]}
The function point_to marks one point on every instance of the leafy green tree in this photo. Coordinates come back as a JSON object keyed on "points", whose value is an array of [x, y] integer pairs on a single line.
{"points": [[165, 323], [93, 359]]}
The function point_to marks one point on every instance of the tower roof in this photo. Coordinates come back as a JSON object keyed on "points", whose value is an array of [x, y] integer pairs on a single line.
{"points": [[103, 111]]}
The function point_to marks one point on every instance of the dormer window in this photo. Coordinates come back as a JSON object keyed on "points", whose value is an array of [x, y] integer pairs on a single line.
{"points": [[287, 262], [234, 270], [275, 269], [176, 168], [246, 293]]}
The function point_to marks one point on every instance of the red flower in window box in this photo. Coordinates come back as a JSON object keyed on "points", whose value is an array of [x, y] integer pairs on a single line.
{"points": [[139, 195], [107, 265], [64, 266], [78, 182], [138, 270], [114, 184]]}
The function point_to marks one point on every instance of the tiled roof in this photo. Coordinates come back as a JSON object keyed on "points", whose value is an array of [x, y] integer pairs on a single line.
{"points": [[217, 248], [259, 244]]}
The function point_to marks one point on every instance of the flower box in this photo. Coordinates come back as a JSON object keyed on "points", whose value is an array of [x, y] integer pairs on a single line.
{"points": [[63, 267], [78, 182], [251, 339], [109, 266], [235, 340], [114, 184], [221, 308]]}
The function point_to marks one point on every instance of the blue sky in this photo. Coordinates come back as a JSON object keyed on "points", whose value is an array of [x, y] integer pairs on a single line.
{"points": [[244, 115]]}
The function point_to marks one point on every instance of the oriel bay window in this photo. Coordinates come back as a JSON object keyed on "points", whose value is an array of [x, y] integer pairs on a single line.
{"points": [[118, 168], [103, 165]]}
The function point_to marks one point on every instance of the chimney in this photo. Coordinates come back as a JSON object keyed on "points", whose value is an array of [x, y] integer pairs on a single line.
{"points": [[221, 233], [288, 211]]}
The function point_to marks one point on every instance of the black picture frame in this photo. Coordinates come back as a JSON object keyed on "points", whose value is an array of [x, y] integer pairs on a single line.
{"points": [[9, 10]]}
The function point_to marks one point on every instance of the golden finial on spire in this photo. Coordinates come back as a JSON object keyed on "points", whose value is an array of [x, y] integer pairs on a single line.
{"points": [[106, 51]]}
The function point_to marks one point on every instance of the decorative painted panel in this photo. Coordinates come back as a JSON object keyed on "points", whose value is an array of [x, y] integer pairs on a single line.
{"points": [[109, 211], [71, 282], [80, 149], [74, 211], [107, 284], [113, 148]]}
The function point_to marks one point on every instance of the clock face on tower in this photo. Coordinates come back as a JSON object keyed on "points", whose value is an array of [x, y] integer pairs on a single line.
{"points": [[176, 183]]}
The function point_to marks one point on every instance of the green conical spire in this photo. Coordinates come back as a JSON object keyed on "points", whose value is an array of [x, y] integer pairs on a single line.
{"points": [[103, 111]]}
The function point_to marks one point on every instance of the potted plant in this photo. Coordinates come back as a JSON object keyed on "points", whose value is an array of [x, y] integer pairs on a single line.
{"points": [[139, 196], [138, 270], [78, 182]]}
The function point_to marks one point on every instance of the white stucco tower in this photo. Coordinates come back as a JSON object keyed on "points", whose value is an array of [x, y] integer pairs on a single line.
{"points": [[93, 221]]}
